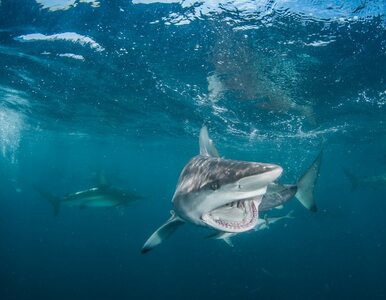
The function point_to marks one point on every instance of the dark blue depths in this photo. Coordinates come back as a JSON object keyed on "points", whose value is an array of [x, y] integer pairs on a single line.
{"points": [[131, 102]]}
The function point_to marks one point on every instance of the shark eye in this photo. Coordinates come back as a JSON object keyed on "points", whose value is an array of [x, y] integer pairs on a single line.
{"points": [[215, 185]]}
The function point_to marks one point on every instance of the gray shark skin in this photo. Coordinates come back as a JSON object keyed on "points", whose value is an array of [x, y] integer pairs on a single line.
{"points": [[100, 196], [277, 194], [217, 193]]}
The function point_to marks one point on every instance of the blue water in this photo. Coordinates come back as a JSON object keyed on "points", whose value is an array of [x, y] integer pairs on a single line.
{"points": [[125, 87]]}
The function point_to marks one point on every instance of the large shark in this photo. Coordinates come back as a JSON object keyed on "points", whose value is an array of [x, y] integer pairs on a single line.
{"points": [[277, 194], [374, 182], [102, 195], [217, 193]]}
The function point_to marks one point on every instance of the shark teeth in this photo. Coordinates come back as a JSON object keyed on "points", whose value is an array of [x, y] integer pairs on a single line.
{"points": [[237, 216]]}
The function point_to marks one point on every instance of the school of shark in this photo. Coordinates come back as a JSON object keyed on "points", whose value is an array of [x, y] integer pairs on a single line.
{"points": [[229, 197]]}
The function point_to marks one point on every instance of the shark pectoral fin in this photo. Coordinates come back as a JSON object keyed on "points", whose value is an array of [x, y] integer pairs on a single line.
{"points": [[207, 147], [225, 236], [306, 185], [162, 233], [228, 241], [55, 201]]}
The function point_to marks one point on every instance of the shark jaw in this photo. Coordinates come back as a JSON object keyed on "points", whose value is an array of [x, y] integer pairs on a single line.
{"points": [[237, 216], [239, 210], [231, 204]]}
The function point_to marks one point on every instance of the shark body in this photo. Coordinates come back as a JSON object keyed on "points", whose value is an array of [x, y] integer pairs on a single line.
{"points": [[217, 193], [277, 194], [102, 195], [374, 182]]}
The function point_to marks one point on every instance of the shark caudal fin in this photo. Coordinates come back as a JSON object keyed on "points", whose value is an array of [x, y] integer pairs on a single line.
{"points": [[55, 201], [290, 215], [306, 185], [162, 233], [352, 178]]}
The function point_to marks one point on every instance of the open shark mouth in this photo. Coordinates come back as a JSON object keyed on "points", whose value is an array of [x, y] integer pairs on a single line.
{"points": [[237, 216]]}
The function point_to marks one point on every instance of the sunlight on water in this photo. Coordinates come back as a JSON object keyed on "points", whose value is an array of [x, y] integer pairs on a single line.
{"points": [[72, 37], [11, 125], [55, 5]]}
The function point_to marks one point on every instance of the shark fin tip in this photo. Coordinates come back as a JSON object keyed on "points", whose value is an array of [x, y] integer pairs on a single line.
{"points": [[314, 208], [145, 250]]}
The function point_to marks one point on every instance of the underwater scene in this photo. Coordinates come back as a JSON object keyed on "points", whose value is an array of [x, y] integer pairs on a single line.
{"points": [[192, 149]]}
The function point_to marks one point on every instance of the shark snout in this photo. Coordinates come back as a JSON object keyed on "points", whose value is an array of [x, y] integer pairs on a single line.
{"points": [[264, 175]]}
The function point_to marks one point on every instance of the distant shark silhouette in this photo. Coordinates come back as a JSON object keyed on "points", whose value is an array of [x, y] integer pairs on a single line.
{"points": [[218, 193], [373, 182], [102, 195]]}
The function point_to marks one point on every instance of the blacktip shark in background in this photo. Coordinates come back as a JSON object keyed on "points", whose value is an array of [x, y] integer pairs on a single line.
{"points": [[374, 182], [217, 193], [102, 195]]}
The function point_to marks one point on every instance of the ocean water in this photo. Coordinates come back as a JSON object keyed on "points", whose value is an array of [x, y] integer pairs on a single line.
{"points": [[125, 86]]}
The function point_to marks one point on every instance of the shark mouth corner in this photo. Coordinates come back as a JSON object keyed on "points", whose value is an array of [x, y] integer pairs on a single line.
{"points": [[237, 216]]}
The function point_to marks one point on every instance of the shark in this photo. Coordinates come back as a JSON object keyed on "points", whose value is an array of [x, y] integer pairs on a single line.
{"points": [[374, 182], [262, 225], [277, 194], [217, 193], [101, 195], [272, 220]]}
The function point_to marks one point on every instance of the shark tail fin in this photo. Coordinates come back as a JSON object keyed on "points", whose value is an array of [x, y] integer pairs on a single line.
{"points": [[162, 233], [306, 185], [290, 215], [54, 200], [352, 178]]}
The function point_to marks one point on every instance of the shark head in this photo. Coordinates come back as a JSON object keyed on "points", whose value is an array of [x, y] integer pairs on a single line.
{"points": [[219, 193]]}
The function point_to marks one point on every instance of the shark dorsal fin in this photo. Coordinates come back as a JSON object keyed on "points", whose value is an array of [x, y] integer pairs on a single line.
{"points": [[207, 147], [101, 179]]}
